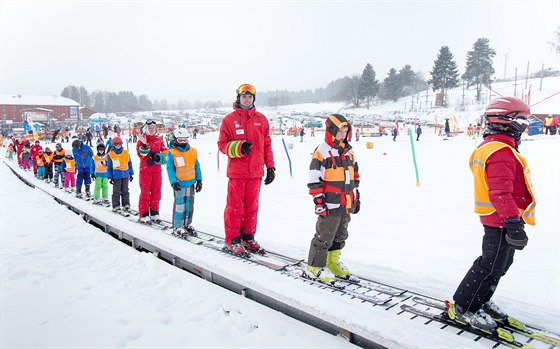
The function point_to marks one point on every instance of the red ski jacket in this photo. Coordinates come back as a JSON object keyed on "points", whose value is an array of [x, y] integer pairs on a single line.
{"points": [[506, 183], [154, 145], [246, 125]]}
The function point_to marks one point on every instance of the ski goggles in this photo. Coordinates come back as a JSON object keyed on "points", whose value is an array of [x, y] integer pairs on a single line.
{"points": [[246, 89], [150, 122], [117, 143]]}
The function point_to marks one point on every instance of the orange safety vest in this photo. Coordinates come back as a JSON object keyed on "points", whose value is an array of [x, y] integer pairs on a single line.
{"points": [[48, 158], [482, 204], [39, 161], [100, 163], [70, 165], [120, 161], [61, 153], [185, 163]]}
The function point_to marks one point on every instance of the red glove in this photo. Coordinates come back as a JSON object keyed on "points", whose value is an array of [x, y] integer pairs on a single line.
{"points": [[320, 206]]}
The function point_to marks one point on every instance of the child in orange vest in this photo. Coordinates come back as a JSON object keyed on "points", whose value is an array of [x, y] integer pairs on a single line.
{"points": [[40, 162], [69, 170], [183, 170]]}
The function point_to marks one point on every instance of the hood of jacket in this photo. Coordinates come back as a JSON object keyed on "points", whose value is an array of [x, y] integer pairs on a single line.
{"points": [[333, 124]]}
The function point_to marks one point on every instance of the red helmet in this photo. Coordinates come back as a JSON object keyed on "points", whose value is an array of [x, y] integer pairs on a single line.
{"points": [[117, 140], [505, 110]]}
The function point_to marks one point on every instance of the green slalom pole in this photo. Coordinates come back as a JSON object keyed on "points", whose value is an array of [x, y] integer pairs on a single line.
{"points": [[414, 158]]}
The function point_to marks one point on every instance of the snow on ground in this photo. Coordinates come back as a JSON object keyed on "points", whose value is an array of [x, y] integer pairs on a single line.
{"points": [[66, 285], [421, 238]]}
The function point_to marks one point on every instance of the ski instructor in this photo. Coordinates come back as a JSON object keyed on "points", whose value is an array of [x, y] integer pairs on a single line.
{"points": [[505, 202], [152, 153], [245, 139]]}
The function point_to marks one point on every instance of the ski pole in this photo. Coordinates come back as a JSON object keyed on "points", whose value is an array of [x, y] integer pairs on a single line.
{"points": [[288, 155], [414, 157]]}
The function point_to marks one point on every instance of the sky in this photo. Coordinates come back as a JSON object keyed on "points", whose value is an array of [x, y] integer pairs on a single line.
{"points": [[201, 50]]}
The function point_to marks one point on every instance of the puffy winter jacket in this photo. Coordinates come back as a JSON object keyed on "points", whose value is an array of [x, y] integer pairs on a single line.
{"points": [[155, 145], [246, 125], [118, 173], [334, 170], [84, 158], [188, 165], [505, 179]]}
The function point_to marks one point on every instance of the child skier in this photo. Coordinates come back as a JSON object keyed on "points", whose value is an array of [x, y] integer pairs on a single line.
{"points": [[84, 165], [119, 172], [505, 202], [100, 176], [183, 170], [68, 167], [48, 155], [25, 157], [10, 153], [58, 158], [333, 182], [40, 163]]}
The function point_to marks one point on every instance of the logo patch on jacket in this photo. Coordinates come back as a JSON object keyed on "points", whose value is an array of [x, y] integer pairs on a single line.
{"points": [[257, 124]]}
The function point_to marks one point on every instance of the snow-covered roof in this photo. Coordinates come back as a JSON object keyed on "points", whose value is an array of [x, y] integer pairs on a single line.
{"points": [[37, 100]]}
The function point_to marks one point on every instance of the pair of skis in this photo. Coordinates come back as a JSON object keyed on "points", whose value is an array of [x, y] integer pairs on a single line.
{"points": [[502, 334]]}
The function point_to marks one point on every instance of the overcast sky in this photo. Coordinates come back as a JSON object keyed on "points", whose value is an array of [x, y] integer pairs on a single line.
{"points": [[205, 49]]}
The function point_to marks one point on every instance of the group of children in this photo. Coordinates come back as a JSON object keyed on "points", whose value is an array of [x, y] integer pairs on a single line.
{"points": [[113, 165]]}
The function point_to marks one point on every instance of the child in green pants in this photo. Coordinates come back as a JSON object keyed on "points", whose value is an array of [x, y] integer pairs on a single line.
{"points": [[100, 176]]}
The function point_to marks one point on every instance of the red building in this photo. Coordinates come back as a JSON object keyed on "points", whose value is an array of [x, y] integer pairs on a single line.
{"points": [[15, 109]]}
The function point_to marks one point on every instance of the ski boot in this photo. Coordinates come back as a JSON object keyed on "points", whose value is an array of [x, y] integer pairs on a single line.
{"points": [[179, 232], [145, 218], [236, 248], [126, 208], [494, 311], [190, 230], [335, 265], [154, 216], [478, 319], [79, 193], [253, 246], [88, 193], [320, 274], [106, 202], [117, 209], [56, 185]]}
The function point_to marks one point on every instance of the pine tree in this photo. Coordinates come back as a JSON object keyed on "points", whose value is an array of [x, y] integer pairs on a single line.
{"points": [[479, 68], [392, 86], [368, 85], [444, 73], [407, 80]]}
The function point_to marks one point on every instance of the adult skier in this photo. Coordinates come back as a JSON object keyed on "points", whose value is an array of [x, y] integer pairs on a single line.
{"points": [[245, 139], [505, 201], [152, 153]]}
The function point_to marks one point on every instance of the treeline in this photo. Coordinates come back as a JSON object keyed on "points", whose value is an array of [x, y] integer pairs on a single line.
{"points": [[359, 90], [126, 101], [364, 89]]}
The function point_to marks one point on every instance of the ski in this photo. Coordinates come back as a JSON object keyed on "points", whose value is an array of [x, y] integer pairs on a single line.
{"points": [[510, 323], [499, 335], [297, 272], [152, 224], [122, 213], [355, 280]]}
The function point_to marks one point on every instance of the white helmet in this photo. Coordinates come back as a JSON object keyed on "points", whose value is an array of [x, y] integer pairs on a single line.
{"points": [[181, 133]]}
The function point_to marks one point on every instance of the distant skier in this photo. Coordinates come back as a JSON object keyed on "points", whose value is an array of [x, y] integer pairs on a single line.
{"points": [[245, 139], [447, 128], [395, 133], [183, 170], [333, 183], [418, 132], [505, 201]]}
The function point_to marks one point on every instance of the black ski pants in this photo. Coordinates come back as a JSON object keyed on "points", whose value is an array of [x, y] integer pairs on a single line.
{"points": [[120, 189], [483, 277]]}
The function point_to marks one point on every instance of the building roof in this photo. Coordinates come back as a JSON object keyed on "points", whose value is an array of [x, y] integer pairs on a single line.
{"points": [[37, 100]]}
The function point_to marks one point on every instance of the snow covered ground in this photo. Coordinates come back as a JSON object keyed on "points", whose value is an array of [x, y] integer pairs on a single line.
{"points": [[66, 285]]}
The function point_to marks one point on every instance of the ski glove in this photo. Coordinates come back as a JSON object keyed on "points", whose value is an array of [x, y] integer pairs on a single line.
{"points": [[246, 147], [357, 202], [111, 181], [320, 206], [130, 178], [198, 186], [270, 175], [93, 176], [515, 235], [176, 186]]}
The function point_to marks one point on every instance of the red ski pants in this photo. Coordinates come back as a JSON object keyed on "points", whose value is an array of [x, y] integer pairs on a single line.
{"points": [[150, 191], [242, 207]]}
